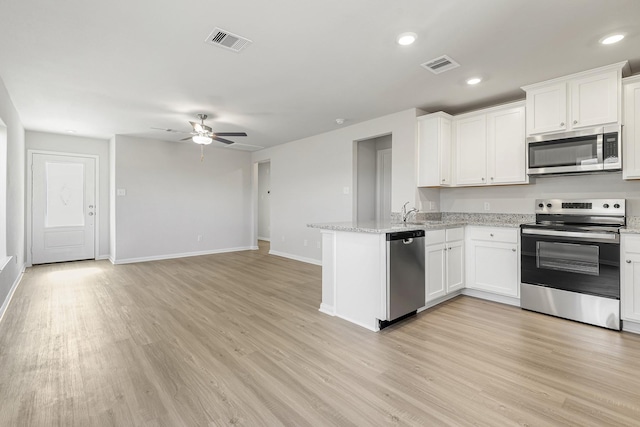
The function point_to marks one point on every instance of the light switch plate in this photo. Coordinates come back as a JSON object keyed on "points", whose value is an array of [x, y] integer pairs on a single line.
{"points": [[121, 192]]}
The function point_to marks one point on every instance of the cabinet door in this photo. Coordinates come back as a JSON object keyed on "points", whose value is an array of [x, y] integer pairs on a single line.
{"points": [[547, 109], [455, 266], [594, 100], [493, 267], [434, 152], [630, 289], [434, 272], [471, 150], [506, 145], [631, 131]]}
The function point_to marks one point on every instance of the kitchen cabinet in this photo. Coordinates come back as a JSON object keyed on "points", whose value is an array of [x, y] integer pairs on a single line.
{"points": [[434, 150], [631, 128], [444, 262], [493, 260], [490, 146], [630, 278], [588, 99]]}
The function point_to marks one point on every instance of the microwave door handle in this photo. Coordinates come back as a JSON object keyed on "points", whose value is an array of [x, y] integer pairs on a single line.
{"points": [[599, 143]]}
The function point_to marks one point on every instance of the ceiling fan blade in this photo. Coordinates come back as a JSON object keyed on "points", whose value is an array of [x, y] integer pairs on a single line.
{"points": [[231, 133], [225, 141], [185, 139]]}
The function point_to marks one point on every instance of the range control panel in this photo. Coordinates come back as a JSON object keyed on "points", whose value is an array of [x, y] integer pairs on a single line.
{"points": [[581, 207]]}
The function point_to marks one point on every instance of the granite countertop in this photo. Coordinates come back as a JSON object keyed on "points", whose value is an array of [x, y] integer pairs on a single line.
{"points": [[633, 225], [447, 221]]}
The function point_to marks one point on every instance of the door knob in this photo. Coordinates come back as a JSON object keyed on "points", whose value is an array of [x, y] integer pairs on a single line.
{"points": [[90, 206], [628, 261], [90, 213], [513, 250]]}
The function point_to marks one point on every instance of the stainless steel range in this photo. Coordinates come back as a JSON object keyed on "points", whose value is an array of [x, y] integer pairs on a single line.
{"points": [[570, 260]]}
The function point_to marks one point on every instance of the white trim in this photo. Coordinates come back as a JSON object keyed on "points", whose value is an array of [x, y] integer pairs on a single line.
{"points": [[7, 300], [266, 239], [491, 297], [180, 255], [102, 257], [359, 323], [327, 309], [440, 300], [296, 257], [29, 219], [632, 327], [4, 262]]}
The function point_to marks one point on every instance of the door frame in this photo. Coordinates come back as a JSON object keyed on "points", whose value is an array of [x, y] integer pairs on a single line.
{"points": [[380, 181], [29, 217]]}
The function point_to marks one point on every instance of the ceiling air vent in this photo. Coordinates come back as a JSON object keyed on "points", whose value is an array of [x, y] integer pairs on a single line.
{"points": [[440, 64], [227, 40]]}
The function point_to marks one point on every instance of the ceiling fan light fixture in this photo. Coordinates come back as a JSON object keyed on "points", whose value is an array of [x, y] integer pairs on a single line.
{"points": [[202, 139]]}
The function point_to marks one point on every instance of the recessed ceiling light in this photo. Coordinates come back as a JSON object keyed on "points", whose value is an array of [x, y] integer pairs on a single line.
{"points": [[474, 81], [406, 39], [71, 131], [339, 121], [612, 39]]}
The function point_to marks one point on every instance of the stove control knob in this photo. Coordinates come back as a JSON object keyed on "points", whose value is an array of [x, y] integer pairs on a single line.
{"points": [[549, 205], [617, 206], [606, 206], [540, 205]]}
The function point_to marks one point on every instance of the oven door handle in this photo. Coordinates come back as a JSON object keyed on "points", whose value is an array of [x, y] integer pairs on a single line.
{"points": [[614, 237]]}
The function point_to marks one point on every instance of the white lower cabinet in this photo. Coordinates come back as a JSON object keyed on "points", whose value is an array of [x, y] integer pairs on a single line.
{"points": [[493, 260], [630, 278], [444, 262]]}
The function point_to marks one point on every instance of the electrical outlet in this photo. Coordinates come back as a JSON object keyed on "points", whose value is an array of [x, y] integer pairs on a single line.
{"points": [[432, 206], [487, 206], [306, 242], [345, 190], [121, 192], [199, 237]]}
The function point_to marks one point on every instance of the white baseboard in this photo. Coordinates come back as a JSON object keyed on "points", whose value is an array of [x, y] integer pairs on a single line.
{"points": [[362, 324], [440, 300], [491, 297], [296, 257], [327, 309], [180, 255], [7, 300], [266, 239], [102, 257], [633, 327]]}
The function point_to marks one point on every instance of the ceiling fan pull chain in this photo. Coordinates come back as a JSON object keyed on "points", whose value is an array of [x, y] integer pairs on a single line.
{"points": [[201, 153]]}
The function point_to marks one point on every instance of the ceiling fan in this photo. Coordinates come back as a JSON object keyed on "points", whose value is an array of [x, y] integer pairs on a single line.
{"points": [[204, 135]]}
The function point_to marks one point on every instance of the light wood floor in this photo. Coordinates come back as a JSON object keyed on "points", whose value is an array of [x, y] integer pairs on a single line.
{"points": [[237, 339]]}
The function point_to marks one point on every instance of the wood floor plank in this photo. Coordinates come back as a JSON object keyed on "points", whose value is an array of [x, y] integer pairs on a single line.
{"points": [[237, 339]]}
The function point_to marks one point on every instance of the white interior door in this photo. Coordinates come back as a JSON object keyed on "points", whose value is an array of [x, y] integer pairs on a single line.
{"points": [[63, 208]]}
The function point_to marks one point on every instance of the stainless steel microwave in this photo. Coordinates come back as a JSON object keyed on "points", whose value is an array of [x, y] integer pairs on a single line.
{"points": [[583, 151]]}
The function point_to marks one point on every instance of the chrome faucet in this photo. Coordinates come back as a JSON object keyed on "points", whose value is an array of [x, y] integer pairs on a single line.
{"points": [[406, 214]]}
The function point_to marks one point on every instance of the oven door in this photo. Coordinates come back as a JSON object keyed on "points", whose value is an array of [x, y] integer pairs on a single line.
{"points": [[583, 262], [578, 154]]}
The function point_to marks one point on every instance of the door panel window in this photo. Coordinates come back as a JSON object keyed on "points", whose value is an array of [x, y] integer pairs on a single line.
{"points": [[65, 195]]}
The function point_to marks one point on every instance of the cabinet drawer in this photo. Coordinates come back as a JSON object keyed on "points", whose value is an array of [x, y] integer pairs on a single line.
{"points": [[631, 244], [434, 236], [504, 235], [453, 234]]}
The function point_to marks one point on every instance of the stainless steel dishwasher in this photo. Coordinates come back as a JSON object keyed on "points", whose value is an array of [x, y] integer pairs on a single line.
{"points": [[405, 274]]}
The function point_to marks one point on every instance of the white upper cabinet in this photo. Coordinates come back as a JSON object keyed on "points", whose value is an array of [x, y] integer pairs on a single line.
{"points": [[434, 150], [490, 146], [471, 150], [631, 128], [506, 148], [588, 99]]}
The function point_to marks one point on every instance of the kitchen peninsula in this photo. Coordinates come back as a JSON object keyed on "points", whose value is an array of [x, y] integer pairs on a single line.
{"points": [[354, 262]]}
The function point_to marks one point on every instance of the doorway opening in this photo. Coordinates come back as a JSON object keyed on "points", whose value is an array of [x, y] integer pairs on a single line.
{"points": [[264, 203], [373, 179]]}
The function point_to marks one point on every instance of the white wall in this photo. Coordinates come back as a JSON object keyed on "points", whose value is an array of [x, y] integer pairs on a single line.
{"points": [[264, 201], [172, 197], [15, 195], [366, 180], [308, 177], [521, 198], [81, 145]]}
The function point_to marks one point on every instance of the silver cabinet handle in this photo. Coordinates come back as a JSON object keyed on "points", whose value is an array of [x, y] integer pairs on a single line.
{"points": [[90, 206], [90, 213], [562, 124], [491, 178], [513, 250], [575, 122], [449, 247], [483, 178], [628, 261], [491, 234], [442, 179]]}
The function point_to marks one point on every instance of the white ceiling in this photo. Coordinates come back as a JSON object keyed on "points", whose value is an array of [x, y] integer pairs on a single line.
{"points": [[124, 66]]}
